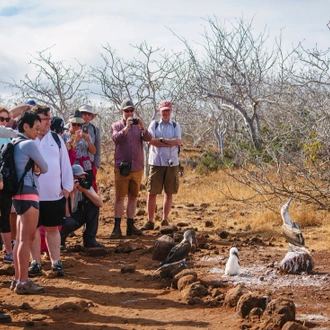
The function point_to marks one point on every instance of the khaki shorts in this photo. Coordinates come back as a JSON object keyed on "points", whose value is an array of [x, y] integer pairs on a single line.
{"points": [[163, 177], [129, 184]]}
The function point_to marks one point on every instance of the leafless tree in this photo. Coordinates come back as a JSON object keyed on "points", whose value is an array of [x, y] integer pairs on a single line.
{"points": [[59, 86]]}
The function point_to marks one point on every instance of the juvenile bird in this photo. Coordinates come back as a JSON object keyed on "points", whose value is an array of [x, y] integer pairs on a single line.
{"points": [[232, 265], [179, 252]]}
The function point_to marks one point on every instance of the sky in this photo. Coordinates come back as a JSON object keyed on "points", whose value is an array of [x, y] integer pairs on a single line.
{"points": [[79, 28]]}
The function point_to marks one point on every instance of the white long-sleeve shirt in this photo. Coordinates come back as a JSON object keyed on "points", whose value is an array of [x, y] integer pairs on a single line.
{"points": [[59, 175]]}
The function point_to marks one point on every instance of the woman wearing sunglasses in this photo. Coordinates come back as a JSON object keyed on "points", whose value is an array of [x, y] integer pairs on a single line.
{"points": [[79, 144]]}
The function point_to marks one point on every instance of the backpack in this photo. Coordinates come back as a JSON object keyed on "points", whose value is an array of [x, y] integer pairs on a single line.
{"points": [[56, 138], [11, 185]]}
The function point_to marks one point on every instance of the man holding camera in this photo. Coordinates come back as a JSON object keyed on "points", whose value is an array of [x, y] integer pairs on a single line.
{"points": [[164, 163], [128, 135], [83, 208]]}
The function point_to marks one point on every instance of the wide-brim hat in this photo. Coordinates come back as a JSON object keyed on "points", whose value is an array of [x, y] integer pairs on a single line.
{"points": [[76, 118], [87, 108]]}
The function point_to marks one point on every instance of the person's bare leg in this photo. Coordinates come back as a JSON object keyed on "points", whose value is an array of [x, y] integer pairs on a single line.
{"points": [[119, 206], [15, 251], [167, 204], [35, 247], [6, 238], [53, 241], [151, 204], [26, 234], [13, 223], [131, 206]]}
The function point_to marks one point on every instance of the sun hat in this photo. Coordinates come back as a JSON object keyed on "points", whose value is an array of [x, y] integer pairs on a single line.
{"points": [[57, 123], [165, 105], [87, 108], [76, 118], [77, 170], [126, 104]]}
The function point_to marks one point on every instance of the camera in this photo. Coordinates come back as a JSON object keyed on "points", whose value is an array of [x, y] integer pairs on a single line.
{"points": [[135, 121], [170, 162], [84, 183]]}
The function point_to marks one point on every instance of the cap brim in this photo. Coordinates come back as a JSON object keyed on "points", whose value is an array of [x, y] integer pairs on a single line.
{"points": [[76, 120], [80, 173], [165, 108]]}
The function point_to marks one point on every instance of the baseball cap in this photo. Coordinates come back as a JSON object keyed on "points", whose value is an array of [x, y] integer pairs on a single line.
{"points": [[78, 170], [127, 103], [165, 105], [31, 102], [57, 123]]}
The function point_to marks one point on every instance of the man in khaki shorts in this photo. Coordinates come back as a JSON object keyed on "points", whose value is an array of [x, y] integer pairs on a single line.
{"points": [[128, 135], [164, 163]]}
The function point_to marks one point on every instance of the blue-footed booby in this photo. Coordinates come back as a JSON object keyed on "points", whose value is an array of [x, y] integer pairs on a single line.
{"points": [[291, 230], [179, 252]]}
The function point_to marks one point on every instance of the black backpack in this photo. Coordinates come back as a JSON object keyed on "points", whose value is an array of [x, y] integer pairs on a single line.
{"points": [[11, 185]]}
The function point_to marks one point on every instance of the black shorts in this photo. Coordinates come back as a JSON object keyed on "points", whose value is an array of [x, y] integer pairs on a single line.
{"points": [[52, 213], [5, 207], [21, 206]]}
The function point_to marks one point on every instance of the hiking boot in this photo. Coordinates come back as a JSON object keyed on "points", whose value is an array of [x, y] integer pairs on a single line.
{"points": [[131, 229], [57, 268], [8, 258], [164, 223], [35, 269], [116, 233], [95, 244], [13, 284], [29, 287], [148, 226]]}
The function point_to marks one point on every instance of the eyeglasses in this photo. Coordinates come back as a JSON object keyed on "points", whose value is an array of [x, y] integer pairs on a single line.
{"points": [[74, 124], [129, 110], [4, 119]]}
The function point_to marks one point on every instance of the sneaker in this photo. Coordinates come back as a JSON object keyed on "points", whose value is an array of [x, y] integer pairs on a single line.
{"points": [[57, 268], [164, 223], [13, 284], [8, 258], [148, 226], [29, 287], [35, 269]]}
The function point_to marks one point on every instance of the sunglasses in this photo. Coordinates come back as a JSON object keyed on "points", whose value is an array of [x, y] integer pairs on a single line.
{"points": [[129, 110], [73, 124], [4, 119]]}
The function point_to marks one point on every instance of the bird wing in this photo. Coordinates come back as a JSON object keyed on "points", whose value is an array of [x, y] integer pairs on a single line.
{"points": [[178, 252], [285, 213], [293, 235]]}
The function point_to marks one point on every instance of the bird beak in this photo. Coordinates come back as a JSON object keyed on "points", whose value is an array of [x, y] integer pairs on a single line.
{"points": [[195, 240]]}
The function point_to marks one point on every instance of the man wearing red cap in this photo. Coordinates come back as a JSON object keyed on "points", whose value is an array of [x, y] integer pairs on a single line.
{"points": [[164, 163]]}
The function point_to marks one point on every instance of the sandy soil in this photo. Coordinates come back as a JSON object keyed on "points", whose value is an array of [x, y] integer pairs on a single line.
{"points": [[96, 293]]}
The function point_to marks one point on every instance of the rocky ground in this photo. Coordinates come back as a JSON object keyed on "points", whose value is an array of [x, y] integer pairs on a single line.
{"points": [[117, 288]]}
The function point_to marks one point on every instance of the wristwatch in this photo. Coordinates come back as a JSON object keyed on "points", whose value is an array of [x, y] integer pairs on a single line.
{"points": [[161, 139]]}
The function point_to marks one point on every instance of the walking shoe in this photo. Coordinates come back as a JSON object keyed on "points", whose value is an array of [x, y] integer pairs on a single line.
{"points": [[8, 258], [35, 269], [164, 223], [29, 287], [131, 229], [57, 268], [148, 226], [94, 244], [13, 284], [116, 233]]}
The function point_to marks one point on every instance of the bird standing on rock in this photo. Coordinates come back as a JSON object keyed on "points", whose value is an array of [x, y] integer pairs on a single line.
{"points": [[232, 265], [179, 252], [291, 230]]}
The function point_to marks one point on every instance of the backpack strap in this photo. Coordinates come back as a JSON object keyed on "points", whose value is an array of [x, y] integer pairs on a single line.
{"points": [[94, 129], [56, 138]]}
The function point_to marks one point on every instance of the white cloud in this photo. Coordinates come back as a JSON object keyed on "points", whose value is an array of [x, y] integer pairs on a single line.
{"points": [[78, 28]]}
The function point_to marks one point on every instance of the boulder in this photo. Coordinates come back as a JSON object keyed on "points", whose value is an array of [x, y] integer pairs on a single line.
{"points": [[279, 311], [193, 291], [232, 296], [296, 262], [249, 301], [162, 247], [181, 274], [293, 326], [185, 281]]}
